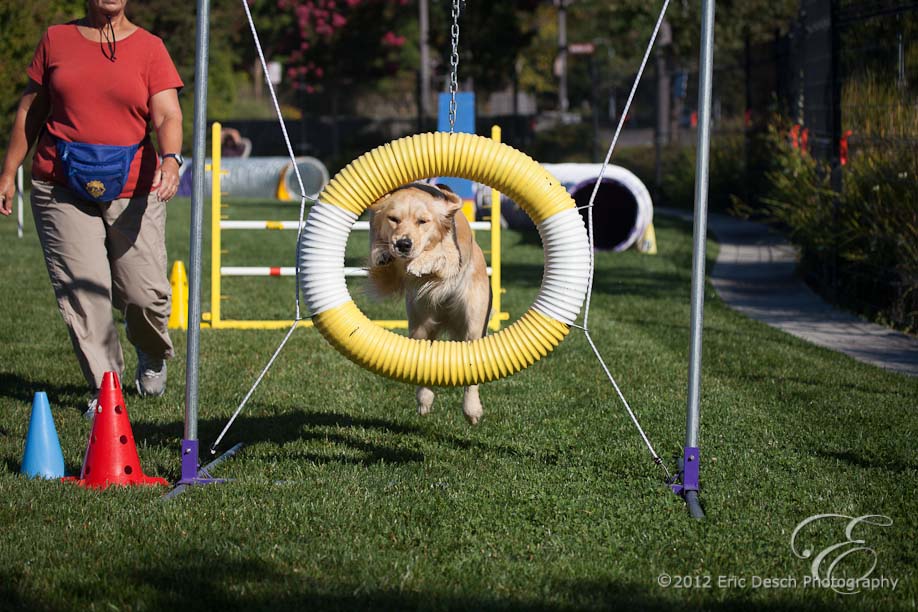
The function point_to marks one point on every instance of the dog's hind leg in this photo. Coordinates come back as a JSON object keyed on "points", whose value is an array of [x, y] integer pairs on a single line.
{"points": [[425, 395], [477, 327], [471, 405]]}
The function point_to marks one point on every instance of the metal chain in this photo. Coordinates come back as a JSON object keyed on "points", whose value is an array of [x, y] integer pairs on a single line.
{"points": [[454, 68]]}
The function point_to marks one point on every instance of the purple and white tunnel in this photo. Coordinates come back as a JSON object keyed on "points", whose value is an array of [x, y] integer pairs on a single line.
{"points": [[621, 213]]}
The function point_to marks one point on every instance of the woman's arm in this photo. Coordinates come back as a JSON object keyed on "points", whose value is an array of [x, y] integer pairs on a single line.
{"points": [[30, 117], [167, 121]]}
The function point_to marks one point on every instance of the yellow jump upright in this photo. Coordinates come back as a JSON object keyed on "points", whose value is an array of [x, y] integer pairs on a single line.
{"points": [[219, 223]]}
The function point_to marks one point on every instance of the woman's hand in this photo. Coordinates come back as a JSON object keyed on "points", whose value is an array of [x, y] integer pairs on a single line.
{"points": [[166, 180], [7, 192]]}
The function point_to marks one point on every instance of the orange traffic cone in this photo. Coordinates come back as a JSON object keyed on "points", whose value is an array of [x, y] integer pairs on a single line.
{"points": [[111, 456]]}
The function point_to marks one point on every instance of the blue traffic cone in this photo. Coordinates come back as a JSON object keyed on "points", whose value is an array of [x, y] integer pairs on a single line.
{"points": [[42, 457]]}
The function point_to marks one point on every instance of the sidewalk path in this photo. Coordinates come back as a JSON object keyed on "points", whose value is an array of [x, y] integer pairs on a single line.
{"points": [[755, 273]]}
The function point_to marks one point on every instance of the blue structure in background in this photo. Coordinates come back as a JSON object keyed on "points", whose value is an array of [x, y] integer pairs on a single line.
{"points": [[465, 122]]}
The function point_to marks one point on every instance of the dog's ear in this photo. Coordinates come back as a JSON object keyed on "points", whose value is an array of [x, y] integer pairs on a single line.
{"points": [[453, 202], [380, 203]]}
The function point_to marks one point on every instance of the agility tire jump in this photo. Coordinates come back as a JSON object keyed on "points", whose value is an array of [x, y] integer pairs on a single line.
{"points": [[444, 363]]}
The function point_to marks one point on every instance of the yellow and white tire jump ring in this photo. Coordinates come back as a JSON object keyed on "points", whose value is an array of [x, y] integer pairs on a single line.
{"points": [[444, 363]]}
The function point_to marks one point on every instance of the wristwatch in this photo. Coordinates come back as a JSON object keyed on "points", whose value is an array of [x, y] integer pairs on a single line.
{"points": [[176, 156]]}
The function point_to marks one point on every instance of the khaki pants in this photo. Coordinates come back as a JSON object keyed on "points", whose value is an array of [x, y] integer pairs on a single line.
{"points": [[100, 256]]}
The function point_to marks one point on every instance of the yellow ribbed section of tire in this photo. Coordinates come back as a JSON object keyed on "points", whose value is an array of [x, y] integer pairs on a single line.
{"points": [[439, 363], [480, 159], [444, 363]]}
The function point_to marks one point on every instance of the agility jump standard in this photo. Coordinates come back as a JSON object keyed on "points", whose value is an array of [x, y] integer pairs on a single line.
{"points": [[214, 319]]}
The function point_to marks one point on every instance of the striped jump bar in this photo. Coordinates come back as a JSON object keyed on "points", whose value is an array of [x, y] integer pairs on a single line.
{"points": [[292, 225]]}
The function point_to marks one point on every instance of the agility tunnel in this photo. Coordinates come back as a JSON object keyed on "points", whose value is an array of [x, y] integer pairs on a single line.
{"points": [[622, 211], [263, 177], [440, 363]]}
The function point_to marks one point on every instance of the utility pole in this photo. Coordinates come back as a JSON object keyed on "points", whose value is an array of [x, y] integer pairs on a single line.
{"points": [[563, 103], [424, 26], [662, 133]]}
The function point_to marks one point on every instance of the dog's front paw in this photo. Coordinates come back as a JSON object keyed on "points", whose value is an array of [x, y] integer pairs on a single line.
{"points": [[425, 266], [382, 258], [419, 268]]}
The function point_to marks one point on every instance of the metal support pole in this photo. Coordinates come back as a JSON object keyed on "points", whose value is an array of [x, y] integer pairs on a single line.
{"points": [[424, 26], [190, 440], [690, 470]]}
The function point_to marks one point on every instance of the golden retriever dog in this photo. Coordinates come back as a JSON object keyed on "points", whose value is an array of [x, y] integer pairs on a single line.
{"points": [[420, 245]]}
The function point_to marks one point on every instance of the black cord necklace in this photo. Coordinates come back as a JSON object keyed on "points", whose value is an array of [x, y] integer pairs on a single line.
{"points": [[111, 43]]}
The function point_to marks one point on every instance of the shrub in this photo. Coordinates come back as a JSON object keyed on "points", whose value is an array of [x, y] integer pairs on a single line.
{"points": [[860, 246]]}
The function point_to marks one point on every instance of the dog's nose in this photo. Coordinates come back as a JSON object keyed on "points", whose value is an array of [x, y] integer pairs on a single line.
{"points": [[403, 245]]}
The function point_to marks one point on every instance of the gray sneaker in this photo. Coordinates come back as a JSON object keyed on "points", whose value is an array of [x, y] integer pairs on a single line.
{"points": [[151, 375], [91, 406]]}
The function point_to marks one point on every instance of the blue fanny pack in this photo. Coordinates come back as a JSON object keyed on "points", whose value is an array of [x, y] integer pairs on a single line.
{"points": [[96, 172]]}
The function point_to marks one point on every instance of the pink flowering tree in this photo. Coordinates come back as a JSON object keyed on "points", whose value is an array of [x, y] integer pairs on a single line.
{"points": [[331, 43]]}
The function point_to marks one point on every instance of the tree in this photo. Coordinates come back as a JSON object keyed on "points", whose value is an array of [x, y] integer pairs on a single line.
{"points": [[622, 29], [175, 23], [372, 45], [21, 27], [330, 44], [491, 37]]}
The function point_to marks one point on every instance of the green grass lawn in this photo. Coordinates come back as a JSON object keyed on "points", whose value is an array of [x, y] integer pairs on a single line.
{"points": [[344, 498]]}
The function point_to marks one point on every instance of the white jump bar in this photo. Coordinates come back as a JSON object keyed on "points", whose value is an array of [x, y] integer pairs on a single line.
{"points": [[283, 271]]}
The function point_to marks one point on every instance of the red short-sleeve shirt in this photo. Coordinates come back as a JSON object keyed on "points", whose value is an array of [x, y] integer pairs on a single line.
{"points": [[100, 101]]}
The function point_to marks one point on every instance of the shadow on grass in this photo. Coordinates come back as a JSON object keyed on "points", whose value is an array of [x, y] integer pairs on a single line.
{"points": [[191, 579], [878, 463], [15, 467], [18, 388], [12, 592], [346, 434], [818, 384], [295, 426]]}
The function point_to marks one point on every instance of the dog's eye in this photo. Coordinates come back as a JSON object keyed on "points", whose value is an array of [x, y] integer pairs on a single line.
{"points": [[393, 219], [422, 221]]}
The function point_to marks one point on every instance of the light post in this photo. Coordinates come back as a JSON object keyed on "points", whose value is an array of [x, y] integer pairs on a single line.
{"points": [[563, 103]]}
